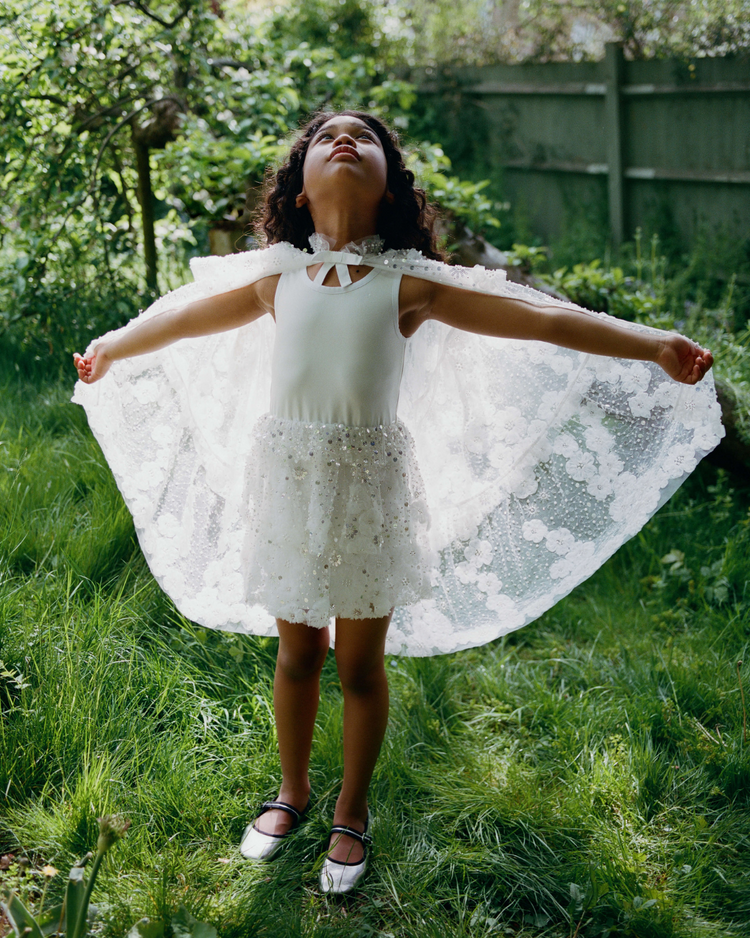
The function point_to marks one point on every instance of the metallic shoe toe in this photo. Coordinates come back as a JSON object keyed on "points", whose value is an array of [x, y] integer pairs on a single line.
{"points": [[255, 845], [339, 878]]}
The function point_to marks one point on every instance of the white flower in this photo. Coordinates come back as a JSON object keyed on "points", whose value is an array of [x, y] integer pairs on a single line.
{"points": [[590, 414], [705, 438], [478, 552], [174, 583], [476, 437], [600, 487], [560, 541], [565, 445], [692, 412], [466, 573], [149, 475], [581, 467], [534, 530], [632, 497], [581, 554], [666, 394], [599, 440], [607, 370], [501, 457], [522, 482], [610, 464], [560, 568], [540, 450], [641, 404], [681, 458], [561, 364], [489, 583], [636, 377], [465, 529], [502, 604], [550, 405], [511, 425]]}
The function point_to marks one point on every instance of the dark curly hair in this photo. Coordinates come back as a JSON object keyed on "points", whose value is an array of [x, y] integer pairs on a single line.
{"points": [[407, 222]]}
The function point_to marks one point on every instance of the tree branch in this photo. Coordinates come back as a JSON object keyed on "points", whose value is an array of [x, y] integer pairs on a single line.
{"points": [[77, 204], [145, 10]]}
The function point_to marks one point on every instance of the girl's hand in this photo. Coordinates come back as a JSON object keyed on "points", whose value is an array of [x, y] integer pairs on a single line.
{"points": [[92, 367], [683, 360]]}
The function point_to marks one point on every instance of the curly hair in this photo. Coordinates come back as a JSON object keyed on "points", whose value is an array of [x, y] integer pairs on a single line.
{"points": [[407, 222]]}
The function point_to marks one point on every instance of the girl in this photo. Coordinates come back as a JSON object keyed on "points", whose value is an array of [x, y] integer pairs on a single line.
{"points": [[538, 460]]}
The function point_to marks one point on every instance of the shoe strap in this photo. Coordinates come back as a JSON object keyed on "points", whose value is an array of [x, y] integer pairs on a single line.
{"points": [[281, 806], [362, 836]]}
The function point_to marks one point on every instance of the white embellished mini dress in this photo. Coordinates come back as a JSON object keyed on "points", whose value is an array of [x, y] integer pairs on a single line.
{"points": [[269, 472], [337, 512]]}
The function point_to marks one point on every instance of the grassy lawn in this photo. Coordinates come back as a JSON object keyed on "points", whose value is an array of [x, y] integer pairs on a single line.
{"points": [[586, 776]]}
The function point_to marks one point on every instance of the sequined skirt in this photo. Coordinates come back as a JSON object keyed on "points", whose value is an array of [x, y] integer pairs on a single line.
{"points": [[337, 523]]}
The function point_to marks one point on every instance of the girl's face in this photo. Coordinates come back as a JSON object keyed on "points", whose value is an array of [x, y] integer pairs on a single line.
{"points": [[344, 160]]}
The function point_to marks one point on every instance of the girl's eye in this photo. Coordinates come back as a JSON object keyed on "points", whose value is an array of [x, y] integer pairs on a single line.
{"points": [[325, 133]]}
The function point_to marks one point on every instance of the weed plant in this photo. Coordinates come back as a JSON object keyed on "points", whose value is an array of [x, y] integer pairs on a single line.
{"points": [[588, 775]]}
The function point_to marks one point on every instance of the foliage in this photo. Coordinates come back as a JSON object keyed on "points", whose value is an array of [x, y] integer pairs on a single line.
{"points": [[539, 31], [460, 200], [69, 919], [213, 93], [211, 97], [588, 771]]}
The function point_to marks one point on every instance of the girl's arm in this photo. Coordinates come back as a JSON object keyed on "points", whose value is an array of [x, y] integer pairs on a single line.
{"points": [[203, 317], [511, 318]]}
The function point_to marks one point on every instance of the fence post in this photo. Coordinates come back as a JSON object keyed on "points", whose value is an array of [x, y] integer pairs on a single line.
{"points": [[614, 65]]}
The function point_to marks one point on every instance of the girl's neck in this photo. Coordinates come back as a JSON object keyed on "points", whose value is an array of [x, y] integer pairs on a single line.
{"points": [[344, 228]]}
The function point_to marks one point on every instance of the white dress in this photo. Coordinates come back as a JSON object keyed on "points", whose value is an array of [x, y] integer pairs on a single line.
{"points": [[337, 516], [258, 488]]}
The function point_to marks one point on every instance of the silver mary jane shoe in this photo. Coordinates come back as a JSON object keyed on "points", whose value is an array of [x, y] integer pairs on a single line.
{"points": [[255, 845], [339, 876]]}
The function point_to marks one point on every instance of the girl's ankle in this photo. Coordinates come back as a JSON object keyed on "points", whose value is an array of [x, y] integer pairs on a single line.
{"points": [[297, 796], [351, 817]]}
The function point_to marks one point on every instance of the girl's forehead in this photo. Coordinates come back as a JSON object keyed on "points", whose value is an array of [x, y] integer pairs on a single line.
{"points": [[345, 122]]}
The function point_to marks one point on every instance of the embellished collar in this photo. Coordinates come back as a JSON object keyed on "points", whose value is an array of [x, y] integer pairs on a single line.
{"points": [[372, 244]]}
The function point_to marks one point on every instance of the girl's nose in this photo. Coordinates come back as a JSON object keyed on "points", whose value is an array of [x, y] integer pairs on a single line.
{"points": [[344, 140]]}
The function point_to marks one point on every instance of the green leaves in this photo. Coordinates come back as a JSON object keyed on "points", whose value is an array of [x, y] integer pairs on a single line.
{"points": [[20, 919], [183, 925], [74, 901]]}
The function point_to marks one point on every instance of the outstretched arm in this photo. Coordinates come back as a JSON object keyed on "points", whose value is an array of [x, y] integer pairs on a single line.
{"points": [[512, 318], [203, 317]]}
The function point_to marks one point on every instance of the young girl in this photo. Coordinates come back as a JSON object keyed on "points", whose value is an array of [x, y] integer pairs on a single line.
{"points": [[539, 457]]}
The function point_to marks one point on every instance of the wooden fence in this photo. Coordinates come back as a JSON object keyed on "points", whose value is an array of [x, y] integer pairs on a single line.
{"points": [[634, 142]]}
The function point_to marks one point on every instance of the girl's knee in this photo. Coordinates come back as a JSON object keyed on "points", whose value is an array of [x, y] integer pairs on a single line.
{"points": [[360, 673], [304, 654]]}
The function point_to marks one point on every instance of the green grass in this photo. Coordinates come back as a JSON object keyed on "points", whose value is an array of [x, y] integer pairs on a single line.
{"points": [[585, 776]]}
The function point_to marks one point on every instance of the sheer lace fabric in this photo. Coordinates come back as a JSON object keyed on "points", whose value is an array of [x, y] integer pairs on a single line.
{"points": [[536, 463]]}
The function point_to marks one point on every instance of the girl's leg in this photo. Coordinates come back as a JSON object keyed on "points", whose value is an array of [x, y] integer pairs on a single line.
{"points": [[302, 652], [360, 646]]}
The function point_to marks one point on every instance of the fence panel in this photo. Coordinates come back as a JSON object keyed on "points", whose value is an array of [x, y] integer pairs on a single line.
{"points": [[650, 143]]}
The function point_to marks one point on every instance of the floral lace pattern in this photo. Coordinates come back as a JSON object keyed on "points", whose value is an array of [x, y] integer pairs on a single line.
{"points": [[536, 463]]}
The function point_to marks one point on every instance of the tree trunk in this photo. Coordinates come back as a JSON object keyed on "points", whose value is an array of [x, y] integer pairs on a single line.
{"points": [[146, 198]]}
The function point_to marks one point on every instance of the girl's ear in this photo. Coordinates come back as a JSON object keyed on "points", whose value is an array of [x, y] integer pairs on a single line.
{"points": [[389, 197], [301, 199]]}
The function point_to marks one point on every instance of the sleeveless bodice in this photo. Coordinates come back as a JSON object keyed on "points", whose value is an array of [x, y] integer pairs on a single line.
{"points": [[338, 355]]}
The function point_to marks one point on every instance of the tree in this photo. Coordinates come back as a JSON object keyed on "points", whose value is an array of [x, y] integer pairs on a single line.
{"points": [[540, 30], [129, 124]]}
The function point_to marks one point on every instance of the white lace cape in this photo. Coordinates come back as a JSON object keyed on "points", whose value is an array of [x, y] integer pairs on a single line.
{"points": [[538, 462]]}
